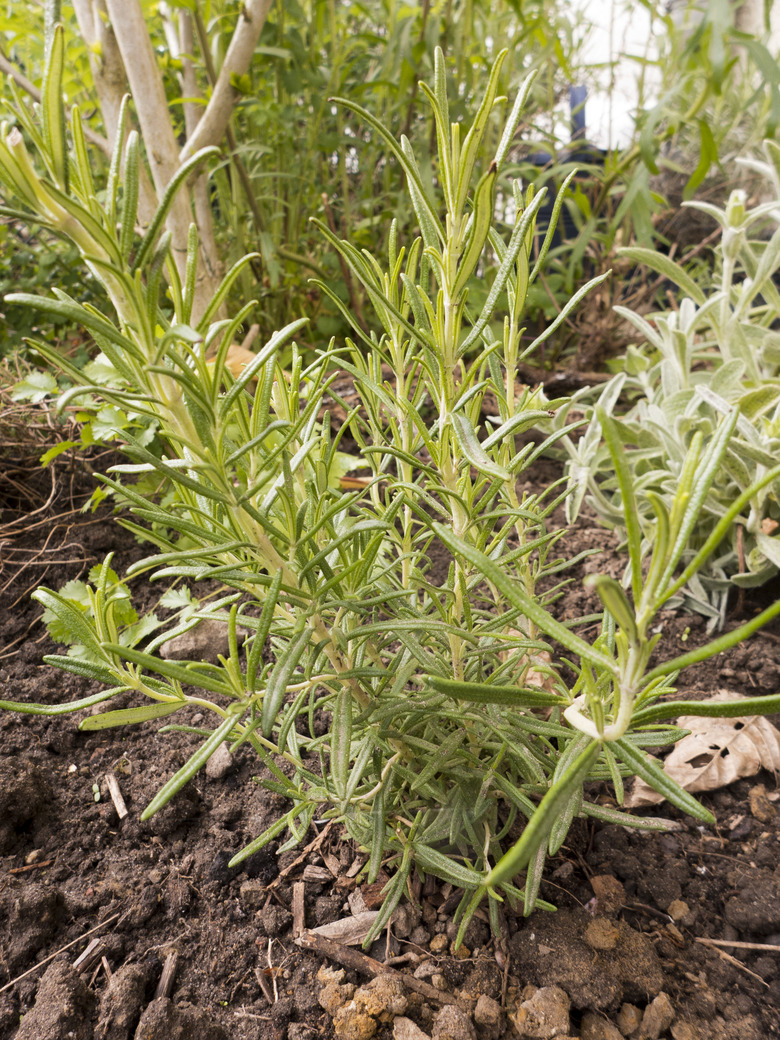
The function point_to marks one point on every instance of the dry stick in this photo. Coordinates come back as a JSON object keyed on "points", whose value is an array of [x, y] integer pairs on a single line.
{"points": [[250, 337], [91, 956], [299, 922], [56, 953], [740, 945], [311, 847], [732, 960], [30, 866], [359, 962], [165, 985], [116, 795]]}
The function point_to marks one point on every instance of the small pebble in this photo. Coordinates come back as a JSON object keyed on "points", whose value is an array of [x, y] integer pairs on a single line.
{"points": [[678, 910], [453, 1024], [220, 763], [487, 1012], [760, 806], [405, 1029], [544, 1015], [657, 1018], [439, 943], [595, 1027], [629, 1019]]}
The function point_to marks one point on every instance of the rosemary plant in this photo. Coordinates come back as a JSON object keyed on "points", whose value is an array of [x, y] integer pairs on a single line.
{"points": [[407, 609]]}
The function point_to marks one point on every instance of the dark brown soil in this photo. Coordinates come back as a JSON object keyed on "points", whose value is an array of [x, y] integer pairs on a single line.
{"points": [[68, 865]]}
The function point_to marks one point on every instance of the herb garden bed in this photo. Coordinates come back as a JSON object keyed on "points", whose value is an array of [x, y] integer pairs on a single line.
{"points": [[68, 865]]}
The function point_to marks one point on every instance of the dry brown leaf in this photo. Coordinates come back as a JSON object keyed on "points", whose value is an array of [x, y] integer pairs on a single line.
{"points": [[351, 931], [238, 358], [715, 753]]}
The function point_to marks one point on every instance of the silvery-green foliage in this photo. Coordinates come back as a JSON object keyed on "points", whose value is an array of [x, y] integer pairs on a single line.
{"points": [[408, 610], [695, 364]]}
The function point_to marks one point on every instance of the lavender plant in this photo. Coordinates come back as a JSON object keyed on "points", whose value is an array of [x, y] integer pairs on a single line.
{"points": [[444, 743]]}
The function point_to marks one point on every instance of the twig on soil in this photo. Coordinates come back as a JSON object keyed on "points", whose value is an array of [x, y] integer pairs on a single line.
{"points": [[271, 970], [732, 960], [56, 953], [31, 866], [298, 908], [116, 795], [357, 961], [89, 957], [311, 847], [165, 985], [740, 945]]}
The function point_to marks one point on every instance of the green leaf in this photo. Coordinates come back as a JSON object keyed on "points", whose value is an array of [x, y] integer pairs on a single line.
{"points": [[469, 444], [35, 387], [611, 431], [189, 674], [445, 867], [541, 823], [616, 602], [663, 265], [409, 167], [182, 174], [286, 663], [519, 598], [485, 693], [130, 716], [53, 109], [190, 767], [708, 154], [649, 770], [481, 220], [25, 708]]}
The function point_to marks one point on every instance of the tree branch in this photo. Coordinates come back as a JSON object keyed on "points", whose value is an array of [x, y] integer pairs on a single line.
{"points": [[212, 126]]}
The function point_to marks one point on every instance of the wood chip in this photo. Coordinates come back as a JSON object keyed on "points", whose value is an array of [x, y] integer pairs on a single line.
{"points": [[116, 795], [332, 863], [165, 985], [298, 910], [357, 903], [90, 956], [317, 875]]}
